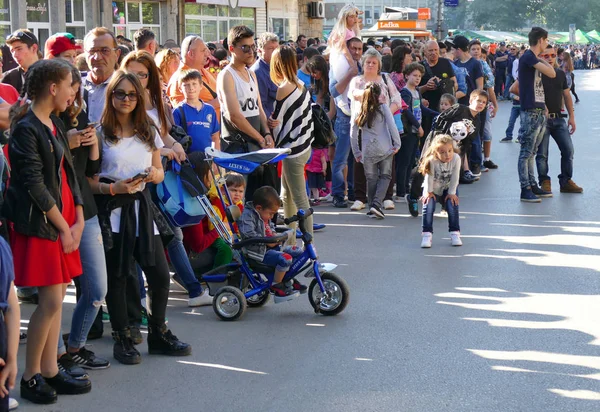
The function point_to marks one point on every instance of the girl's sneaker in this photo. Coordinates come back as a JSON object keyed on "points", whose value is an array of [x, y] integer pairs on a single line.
{"points": [[377, 212], [455, 239], [426, 240]]}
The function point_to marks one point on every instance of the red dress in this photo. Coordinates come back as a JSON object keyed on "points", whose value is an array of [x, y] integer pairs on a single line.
{"points": [[42, 262]]}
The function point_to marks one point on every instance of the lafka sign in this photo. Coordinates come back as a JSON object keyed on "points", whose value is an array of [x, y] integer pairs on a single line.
{"points": [[40, 8]]}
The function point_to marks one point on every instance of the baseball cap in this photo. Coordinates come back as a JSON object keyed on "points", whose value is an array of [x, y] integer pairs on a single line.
{"points": [[385, 38], [460, 42], [22, 35], [502, 43], [59, 43]]}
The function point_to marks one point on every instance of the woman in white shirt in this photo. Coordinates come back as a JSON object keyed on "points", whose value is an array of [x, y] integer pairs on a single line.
{"points": [[129, 220]]}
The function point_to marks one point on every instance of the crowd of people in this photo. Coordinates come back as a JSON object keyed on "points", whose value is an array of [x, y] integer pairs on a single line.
{"points": [[90, 122]]}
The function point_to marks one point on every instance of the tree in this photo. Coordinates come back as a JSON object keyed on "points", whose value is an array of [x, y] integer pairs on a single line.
{"points": [[504, 15], [591, 22]]}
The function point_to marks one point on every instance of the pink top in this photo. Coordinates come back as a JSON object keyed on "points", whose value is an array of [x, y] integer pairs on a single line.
{"points": [[316, 164], [350, 34]]}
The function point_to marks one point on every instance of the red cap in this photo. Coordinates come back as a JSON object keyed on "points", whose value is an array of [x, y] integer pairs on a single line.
{"points": [[59, 43]]}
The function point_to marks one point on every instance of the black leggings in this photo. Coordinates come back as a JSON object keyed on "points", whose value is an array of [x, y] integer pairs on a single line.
{"points": [[573, 86], [118, 292]]}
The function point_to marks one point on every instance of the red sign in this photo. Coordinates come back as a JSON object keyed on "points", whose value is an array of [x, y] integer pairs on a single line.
{"points": [[424, 13]]}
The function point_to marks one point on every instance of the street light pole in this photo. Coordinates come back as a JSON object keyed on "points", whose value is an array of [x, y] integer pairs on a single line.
{"points": [[439, 19]]}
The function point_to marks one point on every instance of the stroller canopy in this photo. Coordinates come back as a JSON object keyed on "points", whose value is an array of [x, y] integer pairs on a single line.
{"points": [[246, 163]]}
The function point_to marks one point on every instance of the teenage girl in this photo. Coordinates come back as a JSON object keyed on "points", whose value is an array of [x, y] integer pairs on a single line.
{"points": [[132, 227], [441, 168], [45, 207], [567, 67]]}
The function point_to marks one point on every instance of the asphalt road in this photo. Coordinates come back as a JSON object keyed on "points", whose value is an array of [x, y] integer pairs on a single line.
{"points": [[507, 322]]}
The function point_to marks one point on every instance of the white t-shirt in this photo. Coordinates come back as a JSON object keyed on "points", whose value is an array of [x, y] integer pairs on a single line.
{"points": [[124, 160]]}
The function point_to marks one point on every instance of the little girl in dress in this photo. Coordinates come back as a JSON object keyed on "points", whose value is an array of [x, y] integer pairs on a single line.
{"points": [[346, 27]]}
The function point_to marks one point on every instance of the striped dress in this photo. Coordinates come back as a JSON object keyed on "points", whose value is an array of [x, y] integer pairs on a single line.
{"points": [[295, 129]]}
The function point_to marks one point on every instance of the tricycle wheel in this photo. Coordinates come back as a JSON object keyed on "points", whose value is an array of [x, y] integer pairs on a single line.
{"points": [[259, 299], [337, 294], [229, 303]]}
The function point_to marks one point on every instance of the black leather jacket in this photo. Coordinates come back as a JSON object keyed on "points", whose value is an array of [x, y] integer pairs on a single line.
{"points": [[35, 184]]}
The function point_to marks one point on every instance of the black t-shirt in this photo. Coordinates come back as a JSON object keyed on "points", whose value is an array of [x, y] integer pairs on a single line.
{"points": [[442, 70], [459, 113], [553, 91], [472, 70]]}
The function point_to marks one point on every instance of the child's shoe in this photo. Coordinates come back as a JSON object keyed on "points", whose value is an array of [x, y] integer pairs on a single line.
{"points": [[455, 239], [426, 240], [295, 285], [282, 294]]}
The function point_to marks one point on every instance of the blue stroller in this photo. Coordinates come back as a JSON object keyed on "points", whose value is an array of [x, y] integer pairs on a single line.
{"points": [[247, 282]]}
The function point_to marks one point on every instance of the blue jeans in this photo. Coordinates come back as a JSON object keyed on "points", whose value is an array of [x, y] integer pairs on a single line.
{"points": [[182, 265], [342, 151], [92, 283], [515, 112], [531, 133], [559, 130], [379, 176], [487, 127], [476, 156], [509, 82], [499, 80], [429, 210]]}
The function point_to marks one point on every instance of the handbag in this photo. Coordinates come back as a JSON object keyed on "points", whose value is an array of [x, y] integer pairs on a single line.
{"points": [[176, 195]]}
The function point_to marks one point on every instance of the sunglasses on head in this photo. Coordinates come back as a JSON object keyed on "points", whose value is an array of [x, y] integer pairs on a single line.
{"points": [[18, 35]]}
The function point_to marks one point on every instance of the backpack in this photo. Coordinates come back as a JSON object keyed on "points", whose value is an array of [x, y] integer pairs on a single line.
{"points": [[177, 195], [324, 135]]}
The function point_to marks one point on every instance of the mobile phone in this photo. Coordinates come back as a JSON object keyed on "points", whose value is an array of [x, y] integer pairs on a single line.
{"points": [[141, 175]]}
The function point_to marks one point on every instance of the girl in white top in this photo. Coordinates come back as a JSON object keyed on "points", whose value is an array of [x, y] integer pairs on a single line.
{"points": [[130, 159], [441, 168]]}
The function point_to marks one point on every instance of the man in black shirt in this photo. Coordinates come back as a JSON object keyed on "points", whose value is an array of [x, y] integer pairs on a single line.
{"points": [[24, 48], [556, 91], [439, 77]]}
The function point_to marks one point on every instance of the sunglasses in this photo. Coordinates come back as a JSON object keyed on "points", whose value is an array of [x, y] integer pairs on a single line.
{"points": [[18, 35], [247, 48], [547, 56], [121, 95]]}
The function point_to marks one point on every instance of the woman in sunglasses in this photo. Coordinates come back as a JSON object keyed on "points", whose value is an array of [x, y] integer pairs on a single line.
{"points": [[132, 227]]}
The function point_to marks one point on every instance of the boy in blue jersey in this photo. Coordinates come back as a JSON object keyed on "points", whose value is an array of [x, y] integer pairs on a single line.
{"points": [[198, 119]]}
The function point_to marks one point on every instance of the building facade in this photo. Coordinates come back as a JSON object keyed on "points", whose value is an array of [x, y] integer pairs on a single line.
{"points": [[169, 19]]}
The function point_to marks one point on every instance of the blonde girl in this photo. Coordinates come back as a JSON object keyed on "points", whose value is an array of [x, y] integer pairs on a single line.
{"points": [[441, 168]]}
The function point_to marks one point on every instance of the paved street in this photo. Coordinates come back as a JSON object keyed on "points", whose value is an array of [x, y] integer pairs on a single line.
{"points": [[508, 322]]}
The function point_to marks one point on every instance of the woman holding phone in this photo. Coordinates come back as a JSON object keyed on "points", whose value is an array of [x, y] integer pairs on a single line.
{"points": [[132, 227]]}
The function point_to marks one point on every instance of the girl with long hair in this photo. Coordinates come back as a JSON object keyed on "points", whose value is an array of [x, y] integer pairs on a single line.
{"points": [[45, 208], [142, 65], [167, 62], [567, 66], [401, 57], [380, 142], [319, 72], [441, 167], [132, 227]]}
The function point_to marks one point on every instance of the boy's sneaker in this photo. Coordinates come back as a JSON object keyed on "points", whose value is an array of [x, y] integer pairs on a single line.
{"points": [[68, 365], [426, 239], [283, 294], [475, 170], [399, 199], [371, 215], [88, 360], [528, 196], [489, 164], [339, 203], [204, 299], [389, 205], [357, 205], [295, 285], [539, 192], [546, 185], [468, 175], [455, 239], [506, 140], [570, 187], [377, 212], [413, 205]]}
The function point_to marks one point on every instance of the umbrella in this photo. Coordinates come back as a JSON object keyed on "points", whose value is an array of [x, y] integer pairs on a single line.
{"points": [[580, 38], [593, 34]]}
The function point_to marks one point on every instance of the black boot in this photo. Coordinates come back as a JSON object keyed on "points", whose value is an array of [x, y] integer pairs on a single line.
{"points": [[65, 384], [124, 351], [162, 342], [37, 390]]}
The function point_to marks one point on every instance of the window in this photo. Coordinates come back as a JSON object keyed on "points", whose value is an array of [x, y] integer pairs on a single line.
{"points": [[37, 11], [5, 18], [130, 16], [74, 11], [212, 22], [285, 29]]}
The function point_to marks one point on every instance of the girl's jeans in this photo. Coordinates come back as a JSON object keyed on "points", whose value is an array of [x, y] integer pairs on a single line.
{"points": [[429, 210], [378, 177], [92, 284]]}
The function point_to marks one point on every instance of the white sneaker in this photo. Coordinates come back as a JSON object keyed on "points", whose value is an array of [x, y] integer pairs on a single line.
{"points": [[328, 198], [357, 205], [455, 239], [426, 240], [399, 199], [388, 205], [203, 300], [12, 404]]}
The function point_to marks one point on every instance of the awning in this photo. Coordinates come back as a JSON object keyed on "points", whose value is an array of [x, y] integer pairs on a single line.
{"points": [[242, 3]]}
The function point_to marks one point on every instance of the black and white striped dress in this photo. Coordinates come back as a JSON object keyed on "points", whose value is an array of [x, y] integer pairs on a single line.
{"points": [[295, 129]]}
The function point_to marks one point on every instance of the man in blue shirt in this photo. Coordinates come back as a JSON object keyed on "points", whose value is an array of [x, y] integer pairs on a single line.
{"points": [[267, 43], [502, 56]]}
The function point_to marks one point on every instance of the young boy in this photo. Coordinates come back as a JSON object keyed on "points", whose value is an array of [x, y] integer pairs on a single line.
{"points": [[412, 97], [256, 221], [236, 185], [198, 119], [10, 323]]}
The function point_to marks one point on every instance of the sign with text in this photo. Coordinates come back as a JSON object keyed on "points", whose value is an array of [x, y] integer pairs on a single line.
{"points": [[424, 13], [407, 24], [451, 3]]}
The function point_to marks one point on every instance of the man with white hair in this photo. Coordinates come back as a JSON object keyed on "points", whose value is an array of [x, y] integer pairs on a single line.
{"points": [[438, 71], [194, 55], [267, 43]]}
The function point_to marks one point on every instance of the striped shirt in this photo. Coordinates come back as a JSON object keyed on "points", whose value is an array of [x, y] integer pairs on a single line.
{"points": [[295, 128]]}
